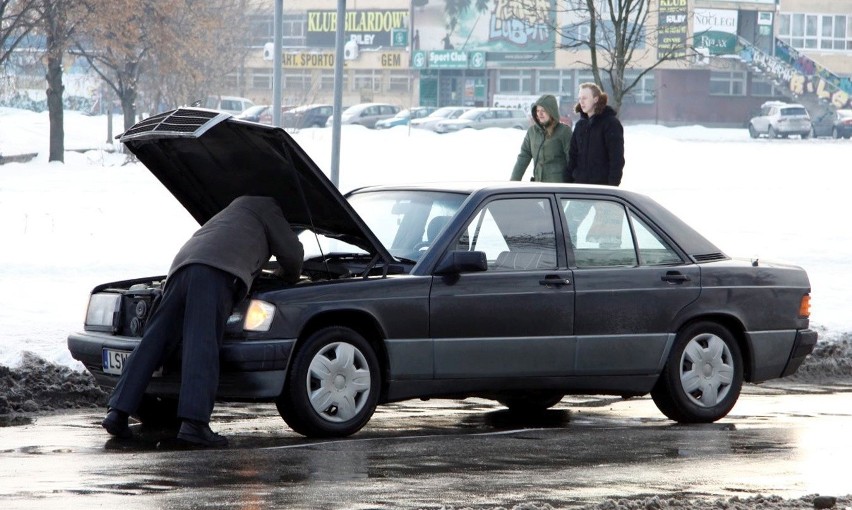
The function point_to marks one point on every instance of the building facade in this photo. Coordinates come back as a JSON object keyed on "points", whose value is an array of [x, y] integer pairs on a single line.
{"points": [[731, 56]]}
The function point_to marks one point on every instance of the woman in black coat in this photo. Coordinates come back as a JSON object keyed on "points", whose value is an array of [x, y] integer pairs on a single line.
{"points": [[596, 155]]}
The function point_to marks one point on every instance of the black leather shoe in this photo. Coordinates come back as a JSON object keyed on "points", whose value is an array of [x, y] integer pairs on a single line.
{"points": [[116, 424], [199, 434]]}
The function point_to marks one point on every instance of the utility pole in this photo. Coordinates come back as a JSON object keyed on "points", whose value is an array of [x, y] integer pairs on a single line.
{"points": [[338, 93], [277, 61]]}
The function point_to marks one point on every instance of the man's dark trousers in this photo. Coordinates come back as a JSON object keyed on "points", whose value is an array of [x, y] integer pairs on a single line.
{"points": [[196, 303]]}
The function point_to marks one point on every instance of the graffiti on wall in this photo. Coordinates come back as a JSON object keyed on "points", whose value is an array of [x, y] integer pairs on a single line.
{"points": [[801, 74]]}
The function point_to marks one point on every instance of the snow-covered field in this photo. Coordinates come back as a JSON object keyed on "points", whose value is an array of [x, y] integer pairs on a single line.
{"points": [[67, 227]]}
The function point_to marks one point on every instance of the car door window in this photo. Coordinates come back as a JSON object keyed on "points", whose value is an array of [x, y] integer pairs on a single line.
{"points": [[515, 234], [653, 250], [600, 233]]}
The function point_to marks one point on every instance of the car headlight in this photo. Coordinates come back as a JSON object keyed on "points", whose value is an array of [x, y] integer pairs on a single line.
{"points": [[259, 316], [102, 311]]}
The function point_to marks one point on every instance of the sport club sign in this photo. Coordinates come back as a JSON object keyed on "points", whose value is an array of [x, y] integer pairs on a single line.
{"points": [[369, 28]]}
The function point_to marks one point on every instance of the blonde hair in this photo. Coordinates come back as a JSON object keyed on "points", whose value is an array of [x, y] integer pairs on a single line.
{"points": [[596, 92]]}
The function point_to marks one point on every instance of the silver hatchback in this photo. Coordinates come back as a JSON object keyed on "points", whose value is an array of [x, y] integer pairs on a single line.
{"points": [[481, 118]]}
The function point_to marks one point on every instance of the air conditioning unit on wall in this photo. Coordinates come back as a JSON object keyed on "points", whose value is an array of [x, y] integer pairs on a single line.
{"points": [[268, 50], [350, 50]]}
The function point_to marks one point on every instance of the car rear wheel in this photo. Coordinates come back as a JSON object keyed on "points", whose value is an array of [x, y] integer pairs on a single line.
{"points": [[703, 376], [332, 387], [533, 402], [752, 132], [158, 412], [772, 133]]}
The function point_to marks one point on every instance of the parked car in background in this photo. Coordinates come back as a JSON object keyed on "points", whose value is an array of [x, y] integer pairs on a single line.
{"points": [[262, 113], [229, 104], [444, 113], [366, 114], [836, 124], [777, 119], [510, 291], [311, 115], [405, 116], [481, 118]]}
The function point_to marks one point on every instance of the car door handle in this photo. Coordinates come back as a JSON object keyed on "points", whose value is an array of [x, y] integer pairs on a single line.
{"points": [[675, 277], [554, 280]]}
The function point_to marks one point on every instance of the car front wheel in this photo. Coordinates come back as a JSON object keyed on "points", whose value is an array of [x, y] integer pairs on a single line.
{"points": [[332, 387], [752, 132], [772, 133], [703, 376]]}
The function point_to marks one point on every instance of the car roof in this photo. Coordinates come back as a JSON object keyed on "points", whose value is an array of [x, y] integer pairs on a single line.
{"points": [[691, 241]]}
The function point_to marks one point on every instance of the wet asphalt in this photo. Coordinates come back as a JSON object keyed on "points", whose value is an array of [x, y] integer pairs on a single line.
{"points": [[782, 439]]}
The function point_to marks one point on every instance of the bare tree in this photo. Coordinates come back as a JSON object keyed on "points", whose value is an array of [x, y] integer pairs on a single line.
{"points": [[200, 45], [166, 51], [118, 41], [58, 20], [618, 37], [17, 18]]}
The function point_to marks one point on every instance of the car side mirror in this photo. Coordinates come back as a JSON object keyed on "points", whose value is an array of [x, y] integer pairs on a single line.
{"points": [[456, 262]]}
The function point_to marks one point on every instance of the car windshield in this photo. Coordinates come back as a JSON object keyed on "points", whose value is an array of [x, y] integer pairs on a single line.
{"points": [[405, 220]]}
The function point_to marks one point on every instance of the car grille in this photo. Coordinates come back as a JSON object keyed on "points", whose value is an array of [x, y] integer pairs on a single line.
{"points": [[183, 122]]}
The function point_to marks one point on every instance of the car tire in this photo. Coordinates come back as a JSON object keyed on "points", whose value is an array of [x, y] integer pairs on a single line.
{"points": [[772, 133], [703, 376], [531, 403], [332, 386], [752, 132], [160, 412], [806, 135], [834, 133]]}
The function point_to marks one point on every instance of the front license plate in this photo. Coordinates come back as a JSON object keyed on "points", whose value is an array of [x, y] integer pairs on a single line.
{"points": [[114, 361]]}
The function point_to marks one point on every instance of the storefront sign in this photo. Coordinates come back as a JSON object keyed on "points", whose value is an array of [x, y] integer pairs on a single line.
{"points": [[672, 28], [369, 28], [448, 59], [715, 30], [305, 60]]}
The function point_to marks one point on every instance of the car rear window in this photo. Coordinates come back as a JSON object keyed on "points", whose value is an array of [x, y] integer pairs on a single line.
{"points": [[793, 111]]}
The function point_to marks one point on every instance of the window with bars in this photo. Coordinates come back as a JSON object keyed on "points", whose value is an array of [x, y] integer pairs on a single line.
{"points": [[399, 81], [367, 79], [261, 79], [296, 81]]}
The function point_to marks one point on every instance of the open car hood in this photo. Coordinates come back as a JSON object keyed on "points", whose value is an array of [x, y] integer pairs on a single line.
{"points": [[206, 158]]}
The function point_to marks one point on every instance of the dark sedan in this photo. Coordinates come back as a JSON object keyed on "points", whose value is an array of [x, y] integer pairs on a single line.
{"points": [[517, 292], [833, 123]]}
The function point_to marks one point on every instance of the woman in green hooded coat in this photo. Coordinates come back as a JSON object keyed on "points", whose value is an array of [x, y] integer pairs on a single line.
{"points": [[546, 144]]}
